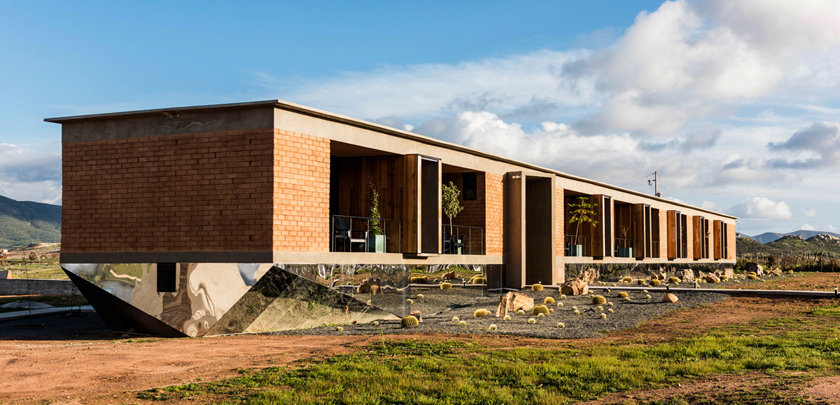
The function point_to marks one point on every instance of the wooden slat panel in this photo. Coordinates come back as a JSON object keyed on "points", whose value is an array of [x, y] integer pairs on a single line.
{"points": [[672, 234], [638, 221], [716, 237], [514, 223], [411, 203], [697, 228], [598, 241]]}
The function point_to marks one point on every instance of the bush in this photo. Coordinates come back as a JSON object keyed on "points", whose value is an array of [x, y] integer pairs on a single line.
{"points": [[655, 282], [478, 280], [409, 322], [610, 310], [409, 301], [627, 280], [548, 300], [456, 319], [673, 280], [492, 327], [540, 315], [462, 323], [623, 294], [600, 308], [641, 282], [537, 287], [532, 321], [751, 277], [480, 313], [507, 317], [418, 279], [559, 305], [603, 315], [520, 312], [539, 309], [561, 325], [598, 300], [339, 329], [445, 286]]}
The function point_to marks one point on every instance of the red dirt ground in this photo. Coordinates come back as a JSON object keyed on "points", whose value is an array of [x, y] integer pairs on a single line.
{"points": [[102, 371]]}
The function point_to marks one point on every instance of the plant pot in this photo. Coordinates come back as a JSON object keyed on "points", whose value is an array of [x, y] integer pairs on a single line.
{"points": [[625, 252], [376, 243], [574, 250]]}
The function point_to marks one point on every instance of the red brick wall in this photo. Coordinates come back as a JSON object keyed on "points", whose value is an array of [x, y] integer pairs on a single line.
{"points": [[301, 193], [192, 192], [494, 203]]}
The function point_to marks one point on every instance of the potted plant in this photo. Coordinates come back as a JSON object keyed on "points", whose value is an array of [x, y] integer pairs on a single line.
{"points": [[625, 251], [376, 240], [581, 212], [451, 201]]}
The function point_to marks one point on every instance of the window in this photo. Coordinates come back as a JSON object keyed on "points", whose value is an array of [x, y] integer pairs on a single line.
{"points": [[470, 187], [166, 277]]}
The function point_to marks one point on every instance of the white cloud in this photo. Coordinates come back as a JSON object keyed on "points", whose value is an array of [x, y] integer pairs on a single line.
{"points": [[517, 85], [29, 175], [709, 205], [807, 227], [809, 212], [762, 208]]}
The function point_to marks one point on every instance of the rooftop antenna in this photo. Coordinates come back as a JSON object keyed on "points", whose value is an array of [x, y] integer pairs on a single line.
{"points": [[655, 182]]}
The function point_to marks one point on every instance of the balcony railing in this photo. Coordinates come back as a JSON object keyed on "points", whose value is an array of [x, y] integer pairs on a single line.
{"points": [[459, 239], [584, 241], [351, 233]]}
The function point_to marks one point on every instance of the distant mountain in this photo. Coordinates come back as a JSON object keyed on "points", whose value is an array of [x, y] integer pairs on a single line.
{"points": [[25, 222], [824, 243], [768, 237]]}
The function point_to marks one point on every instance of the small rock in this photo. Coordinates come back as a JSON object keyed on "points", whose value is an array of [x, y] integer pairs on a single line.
{"points": [[670, 298], [711, 278], [687, 276]]}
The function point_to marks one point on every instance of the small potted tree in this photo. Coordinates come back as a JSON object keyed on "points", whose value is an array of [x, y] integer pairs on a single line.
{"points": [[626, 251], [581, 212], [376, 240], [451, 201]]}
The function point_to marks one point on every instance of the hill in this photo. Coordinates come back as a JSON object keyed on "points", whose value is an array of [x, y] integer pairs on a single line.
{"points": [[768, 237], [25, 222], [790, 245]]}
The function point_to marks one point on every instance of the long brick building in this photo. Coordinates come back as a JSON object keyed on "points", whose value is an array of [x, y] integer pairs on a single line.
{"points": [[202, 220]]}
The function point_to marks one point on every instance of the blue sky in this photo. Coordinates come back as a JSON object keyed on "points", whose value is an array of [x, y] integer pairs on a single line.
{"points": [[733, 102]]}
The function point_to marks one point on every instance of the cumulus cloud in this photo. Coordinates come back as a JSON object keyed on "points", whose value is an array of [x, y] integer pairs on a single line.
{"points": [[689, 61], [819, 143], [29, 175], [525, 85], [762, 208], [809, 212], [807, 227]]}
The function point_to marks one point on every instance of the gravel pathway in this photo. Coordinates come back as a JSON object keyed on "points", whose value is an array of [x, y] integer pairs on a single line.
{"points": [[587, 324]]}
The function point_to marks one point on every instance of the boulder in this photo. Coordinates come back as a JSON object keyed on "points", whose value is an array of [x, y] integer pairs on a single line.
{"points": [[590, 275], [670, 298], [417, 314], [517, 301], [686, 275], [776, 272], [755, 268], [449, 275], [711, 278], [574, 287], [501, 310]]}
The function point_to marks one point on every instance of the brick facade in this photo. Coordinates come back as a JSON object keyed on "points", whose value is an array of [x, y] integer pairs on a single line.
{"points": [[193, 192], [494, 206], [559, 218], [301, 193]]}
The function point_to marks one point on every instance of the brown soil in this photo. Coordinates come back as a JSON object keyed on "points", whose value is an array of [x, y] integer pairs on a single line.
{"points": [[75, 371]]}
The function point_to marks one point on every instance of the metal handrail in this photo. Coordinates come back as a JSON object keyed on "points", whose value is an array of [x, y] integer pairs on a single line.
{"points": [[458, 231], [584, 241], [351, 219]]}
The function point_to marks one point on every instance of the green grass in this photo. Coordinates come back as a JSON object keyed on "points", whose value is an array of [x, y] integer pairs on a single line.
{"points": [[46, 269], [420, 372]]}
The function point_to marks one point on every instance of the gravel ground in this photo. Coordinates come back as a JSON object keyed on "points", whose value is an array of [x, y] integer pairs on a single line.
{"points": [[627, 314]]}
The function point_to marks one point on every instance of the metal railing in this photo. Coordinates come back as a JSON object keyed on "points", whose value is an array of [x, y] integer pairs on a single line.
{"points": [[584, 241], [622, 243], [470, 239], [349, 232]]}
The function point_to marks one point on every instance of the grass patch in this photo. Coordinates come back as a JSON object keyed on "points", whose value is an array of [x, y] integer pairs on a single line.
{"points": [[417, 372]]}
